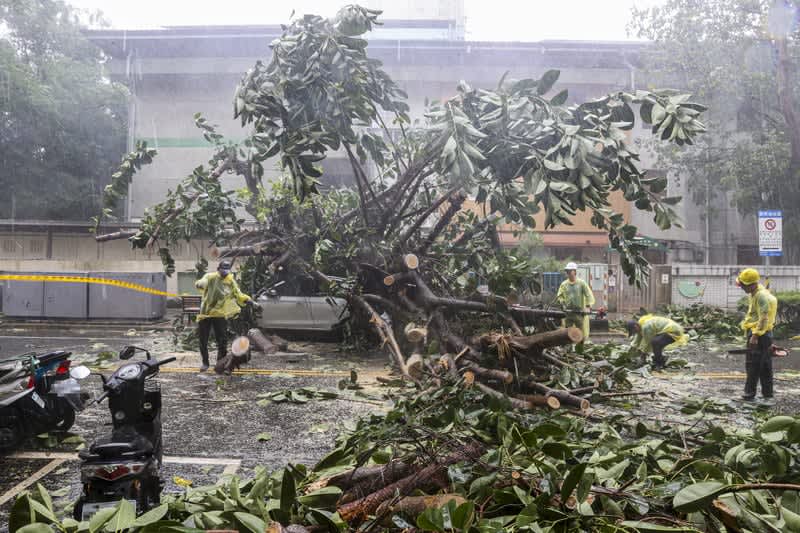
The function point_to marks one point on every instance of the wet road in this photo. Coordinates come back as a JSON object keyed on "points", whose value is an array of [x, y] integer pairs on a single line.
{"points": [[205, 417]]}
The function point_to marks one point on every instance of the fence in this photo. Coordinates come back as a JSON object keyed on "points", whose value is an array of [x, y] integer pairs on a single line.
{"points": [[716, 284]]}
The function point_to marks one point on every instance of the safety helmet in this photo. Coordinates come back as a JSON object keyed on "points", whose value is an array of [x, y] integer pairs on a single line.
{"points": [[224, 267], [748, 276], [571, 266]]}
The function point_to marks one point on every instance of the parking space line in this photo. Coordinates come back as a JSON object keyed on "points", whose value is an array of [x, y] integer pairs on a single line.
{"points": [[36, 476], [168, 459], [262, 372]]}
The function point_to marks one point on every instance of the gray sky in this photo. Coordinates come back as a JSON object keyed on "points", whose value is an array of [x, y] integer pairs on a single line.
{"points": [[490, 20]]}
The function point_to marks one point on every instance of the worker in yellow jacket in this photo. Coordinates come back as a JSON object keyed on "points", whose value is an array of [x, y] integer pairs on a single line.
{"points": [[757, 324], [577, 299], [657, 333], [222, 300]]}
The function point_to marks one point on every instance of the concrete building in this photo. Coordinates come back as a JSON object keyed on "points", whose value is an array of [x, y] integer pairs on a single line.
{"points": [[177, 71]]}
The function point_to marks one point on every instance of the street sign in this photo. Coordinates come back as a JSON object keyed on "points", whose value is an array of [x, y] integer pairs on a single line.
{"points": [[770, 228]]}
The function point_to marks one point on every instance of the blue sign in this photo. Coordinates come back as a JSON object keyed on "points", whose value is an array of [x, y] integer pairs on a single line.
{"points": [[770, 233]]}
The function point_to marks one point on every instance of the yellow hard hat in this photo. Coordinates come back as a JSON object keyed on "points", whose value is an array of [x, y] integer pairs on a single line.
{"points": [[748, 276]]}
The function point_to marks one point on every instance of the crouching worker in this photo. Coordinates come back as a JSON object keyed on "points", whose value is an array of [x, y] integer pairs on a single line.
{"points": [[656, 333], [222, 300], [757, 324]]}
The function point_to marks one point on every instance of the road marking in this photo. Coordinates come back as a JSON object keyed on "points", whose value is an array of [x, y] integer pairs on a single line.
{"points": [[39, 474]]}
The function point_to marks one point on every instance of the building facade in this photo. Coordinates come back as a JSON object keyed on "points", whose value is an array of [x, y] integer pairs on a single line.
{"points": [[176, 72]]}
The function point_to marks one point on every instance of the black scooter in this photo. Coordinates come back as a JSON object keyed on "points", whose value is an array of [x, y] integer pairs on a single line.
{"points": [[38, 393], [126, 463]]}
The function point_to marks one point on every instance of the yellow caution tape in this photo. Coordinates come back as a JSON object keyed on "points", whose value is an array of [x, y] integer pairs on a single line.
{"points": [[81, 279]]}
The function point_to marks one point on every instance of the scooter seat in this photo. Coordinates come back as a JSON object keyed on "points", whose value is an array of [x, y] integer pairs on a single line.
{"points": [[111, 447]]}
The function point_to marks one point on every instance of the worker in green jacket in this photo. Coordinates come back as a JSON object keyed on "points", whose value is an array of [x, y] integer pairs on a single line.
{"points": [[757, 324], [577, 299], [656, 333], [222, 300]]}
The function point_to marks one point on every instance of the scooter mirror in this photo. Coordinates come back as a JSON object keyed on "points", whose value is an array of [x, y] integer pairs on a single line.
{"points": [[127, 352], [79, 372]]}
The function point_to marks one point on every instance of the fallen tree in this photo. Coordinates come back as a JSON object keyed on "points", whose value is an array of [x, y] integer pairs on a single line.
{"points": [[408, 241]]}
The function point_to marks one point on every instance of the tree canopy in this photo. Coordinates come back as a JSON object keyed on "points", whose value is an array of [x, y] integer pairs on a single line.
{"points": [[740, 57], [515, 149], [62, 122]]}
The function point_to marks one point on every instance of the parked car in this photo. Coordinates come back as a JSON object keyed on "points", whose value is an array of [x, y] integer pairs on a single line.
{"points": [[300, 313]]}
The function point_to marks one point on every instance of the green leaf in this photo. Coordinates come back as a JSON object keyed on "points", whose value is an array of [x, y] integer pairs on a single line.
{"points": [[250, 522], [698, 496], [560, 98], [431, 520], [153, 515], [777, 423], [100, 518], [548, 80], [558, 450], [463, 515], [44, 497], [124, 517], [263, 437], [572, 480], [646, 527], [288, 491], [324, 497], [21, 513]]}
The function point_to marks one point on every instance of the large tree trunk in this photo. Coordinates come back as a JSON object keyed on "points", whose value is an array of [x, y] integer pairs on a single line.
{"points": [[436, 474]]}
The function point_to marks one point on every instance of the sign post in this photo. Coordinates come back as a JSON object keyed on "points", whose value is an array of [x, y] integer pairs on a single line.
{"points": [[770, 230]]}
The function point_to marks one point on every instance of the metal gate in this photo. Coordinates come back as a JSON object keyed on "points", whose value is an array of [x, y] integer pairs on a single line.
{"points": [[630, 298]]}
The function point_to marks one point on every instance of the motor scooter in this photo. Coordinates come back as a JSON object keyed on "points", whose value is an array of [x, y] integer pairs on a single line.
{"points": [[125, 464], [38, 393]]}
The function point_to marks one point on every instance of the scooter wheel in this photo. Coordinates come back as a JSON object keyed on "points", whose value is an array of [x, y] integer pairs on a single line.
{"points": [[10, 432], [77, 511]]}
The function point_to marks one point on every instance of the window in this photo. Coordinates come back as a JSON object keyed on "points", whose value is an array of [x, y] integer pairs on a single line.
{"points": [[36, 247], [9, 246]]}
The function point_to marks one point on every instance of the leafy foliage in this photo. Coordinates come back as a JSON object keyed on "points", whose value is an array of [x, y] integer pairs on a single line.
{"points": [[702, 321], [62, 123], [537, 471]]}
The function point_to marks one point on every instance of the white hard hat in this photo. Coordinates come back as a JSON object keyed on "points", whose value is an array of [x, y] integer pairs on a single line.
{"points": [[571, 266]]}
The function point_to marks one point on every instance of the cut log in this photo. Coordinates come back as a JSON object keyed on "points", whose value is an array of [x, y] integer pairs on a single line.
{"points": [[565, 397], [240, 347], [415, 333], [503, 376], [415, 365], [365, 480], [533, 344], [413, 506], [541, 401], [280, 342], [411, 261], [515, 402], [261, 342], [357, 511]]}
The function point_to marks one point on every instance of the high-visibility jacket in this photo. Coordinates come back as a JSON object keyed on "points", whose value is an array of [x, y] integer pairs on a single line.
{"points": [[653, 325], [576, 296], [761, 311], [221, 296]]}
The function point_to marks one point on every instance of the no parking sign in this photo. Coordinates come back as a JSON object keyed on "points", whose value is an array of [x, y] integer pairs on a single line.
{"points": [[770, 227]]}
